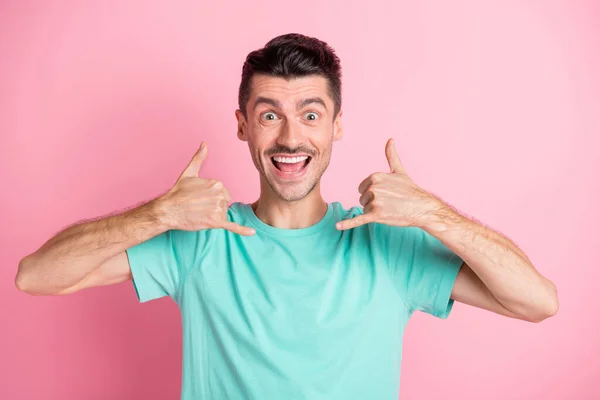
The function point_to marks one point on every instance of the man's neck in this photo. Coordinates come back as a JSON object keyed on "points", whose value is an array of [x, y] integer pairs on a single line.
{"points": [[279, 213]]}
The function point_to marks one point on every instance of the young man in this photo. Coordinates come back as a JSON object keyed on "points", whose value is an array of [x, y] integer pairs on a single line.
{"points": [[292, 297]]}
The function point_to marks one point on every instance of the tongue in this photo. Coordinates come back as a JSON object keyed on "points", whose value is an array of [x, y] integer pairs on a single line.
{"points": [[290, 167]]}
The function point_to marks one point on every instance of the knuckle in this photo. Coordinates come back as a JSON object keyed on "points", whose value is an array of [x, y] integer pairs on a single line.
{"points": [[375, 177], [211, 183], [371, 194], [218, 185]]}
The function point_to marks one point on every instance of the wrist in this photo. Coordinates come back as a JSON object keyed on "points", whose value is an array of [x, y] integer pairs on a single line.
{"points": [[156, 213], [437, 217]]}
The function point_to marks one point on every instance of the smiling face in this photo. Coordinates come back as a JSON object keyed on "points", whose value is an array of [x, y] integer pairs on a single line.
{"points": [[290, 129]]}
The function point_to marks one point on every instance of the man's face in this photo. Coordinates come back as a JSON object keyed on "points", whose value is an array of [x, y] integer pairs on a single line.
{"points": [[290, 130]]}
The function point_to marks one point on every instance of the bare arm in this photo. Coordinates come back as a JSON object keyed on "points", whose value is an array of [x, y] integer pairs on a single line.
{"points": [[496, 274], [500, 275], [470, 289], [93, 253], [88, 254]]}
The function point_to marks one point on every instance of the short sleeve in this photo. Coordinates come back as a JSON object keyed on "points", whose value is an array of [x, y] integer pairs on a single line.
{"points": [[422, 268], [160, 264]]}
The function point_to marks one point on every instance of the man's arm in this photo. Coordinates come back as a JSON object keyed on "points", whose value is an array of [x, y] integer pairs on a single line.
{"points": [[88, 254], [469, 289], [93, 253], [499, 277]]}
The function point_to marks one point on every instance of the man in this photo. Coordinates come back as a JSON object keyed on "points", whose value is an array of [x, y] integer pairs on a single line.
{"points": [[292, 297]]}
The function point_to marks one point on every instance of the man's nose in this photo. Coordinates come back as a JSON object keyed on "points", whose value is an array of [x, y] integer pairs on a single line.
{"points": [[291, 134]]}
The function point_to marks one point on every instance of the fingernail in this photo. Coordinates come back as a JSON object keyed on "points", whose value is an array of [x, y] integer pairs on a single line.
{"points": [[202, 145]]}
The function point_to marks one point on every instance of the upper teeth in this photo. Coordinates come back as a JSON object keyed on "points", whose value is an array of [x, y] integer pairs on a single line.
{"points": [[290, 160]]}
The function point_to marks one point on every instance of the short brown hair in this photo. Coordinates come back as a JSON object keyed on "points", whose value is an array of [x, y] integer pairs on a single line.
{"points": [[289, 56]]}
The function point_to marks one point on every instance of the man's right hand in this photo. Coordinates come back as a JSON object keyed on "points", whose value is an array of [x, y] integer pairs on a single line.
{"points": [[194, 203]]}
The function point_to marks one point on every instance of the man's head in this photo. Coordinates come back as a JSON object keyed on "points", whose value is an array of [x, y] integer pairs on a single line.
{"points": [[290, 112]]}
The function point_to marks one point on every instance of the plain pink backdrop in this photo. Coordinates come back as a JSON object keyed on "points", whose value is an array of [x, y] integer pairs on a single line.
{"points": [[494, 107]]}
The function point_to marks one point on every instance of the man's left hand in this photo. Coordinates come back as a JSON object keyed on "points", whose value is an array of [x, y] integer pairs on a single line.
{"points": [[392, 198]]}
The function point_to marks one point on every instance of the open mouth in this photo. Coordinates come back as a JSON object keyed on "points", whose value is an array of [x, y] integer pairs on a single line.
{"points": [[291, 165]]}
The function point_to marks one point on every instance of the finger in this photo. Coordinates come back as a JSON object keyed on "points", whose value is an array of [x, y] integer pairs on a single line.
{"points": [[364, 185], [366, 198], [224, 206], [194, 166], [226, 195], [396, 166], [237, 228], [353, 222]]}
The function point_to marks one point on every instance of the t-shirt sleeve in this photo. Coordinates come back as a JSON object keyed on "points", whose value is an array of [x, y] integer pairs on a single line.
{"points": [[160, 264], [422, 268]]}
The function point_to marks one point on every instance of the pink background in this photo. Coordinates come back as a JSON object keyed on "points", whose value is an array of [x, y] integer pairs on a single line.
{"points": [[493, 107]]}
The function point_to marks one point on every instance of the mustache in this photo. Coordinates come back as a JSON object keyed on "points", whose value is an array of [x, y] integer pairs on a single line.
{"points": [[291, 152]]}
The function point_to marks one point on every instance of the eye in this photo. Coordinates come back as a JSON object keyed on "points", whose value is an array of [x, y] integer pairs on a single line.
{"points": [[269, 116], [311, 116]]}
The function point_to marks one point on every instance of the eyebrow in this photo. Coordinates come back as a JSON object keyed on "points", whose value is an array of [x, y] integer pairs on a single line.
{"points": [[311, 100], [266, 100], [299, 106]]}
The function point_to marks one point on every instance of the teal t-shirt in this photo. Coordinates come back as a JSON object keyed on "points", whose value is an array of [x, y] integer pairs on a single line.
{"points": [[313, 313]]}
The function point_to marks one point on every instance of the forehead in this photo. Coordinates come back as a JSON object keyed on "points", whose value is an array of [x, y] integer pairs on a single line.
{"points": [[289, 91]]}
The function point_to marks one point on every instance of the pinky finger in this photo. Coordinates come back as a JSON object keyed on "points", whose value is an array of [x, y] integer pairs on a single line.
{"points": [[237, 228], [353, 222]]}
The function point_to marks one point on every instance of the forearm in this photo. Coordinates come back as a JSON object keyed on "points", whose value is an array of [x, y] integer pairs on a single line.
{"points": [[75, 252], [500, 264]]}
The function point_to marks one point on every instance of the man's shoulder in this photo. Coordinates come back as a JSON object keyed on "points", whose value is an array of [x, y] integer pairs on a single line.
{"points": [[237, 208], [345, 212]]}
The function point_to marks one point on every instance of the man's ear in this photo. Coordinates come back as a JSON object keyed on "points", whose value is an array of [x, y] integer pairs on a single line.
{"points": [[241, 126], [337, 127]]}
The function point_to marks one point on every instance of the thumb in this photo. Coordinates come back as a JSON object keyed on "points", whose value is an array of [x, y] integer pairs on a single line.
{"points": [[194, 166], [396, 166]]}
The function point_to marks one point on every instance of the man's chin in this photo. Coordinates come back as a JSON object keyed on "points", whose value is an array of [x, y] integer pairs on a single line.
{"points": [[291, 195], [290, 190]]}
